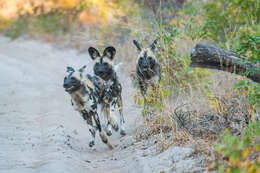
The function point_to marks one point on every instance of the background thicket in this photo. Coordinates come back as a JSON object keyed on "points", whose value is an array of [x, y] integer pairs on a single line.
{"points": [[226, 131]]}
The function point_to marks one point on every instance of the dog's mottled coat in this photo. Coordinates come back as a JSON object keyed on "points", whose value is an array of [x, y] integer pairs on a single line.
{"points": [[84, 99], [111, 98], [148, 70]]}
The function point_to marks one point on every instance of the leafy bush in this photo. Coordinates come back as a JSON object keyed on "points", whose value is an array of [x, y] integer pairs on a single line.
{"points": [[53, 17], [250, 47], [16, 28], [177, 77], [176, 71], [225, 17], [53, 24], [235, 25], [241, 153]]}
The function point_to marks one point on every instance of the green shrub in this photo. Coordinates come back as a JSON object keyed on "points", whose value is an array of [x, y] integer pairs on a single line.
{"points": [[16, 28], [52, 23], [241, 153], [177, 77], [177, 73], [250, 47], [224, 17]]}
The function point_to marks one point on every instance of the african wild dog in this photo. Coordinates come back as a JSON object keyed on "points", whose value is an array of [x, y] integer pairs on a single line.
{"points": [[148, 68], [84, 99], [111, 96]]}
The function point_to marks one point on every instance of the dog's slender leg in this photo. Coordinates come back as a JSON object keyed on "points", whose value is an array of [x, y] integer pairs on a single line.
{"points": [[97, 121], [145, 101], [143, 89], [113, 105], [109, 127], [156, 80], [101, 133], [106, 112], [122, 120], [92, 129]]}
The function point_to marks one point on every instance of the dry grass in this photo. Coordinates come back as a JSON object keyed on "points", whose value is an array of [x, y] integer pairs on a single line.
{"points": [[191, 120], [195, 118], [165, 124]]}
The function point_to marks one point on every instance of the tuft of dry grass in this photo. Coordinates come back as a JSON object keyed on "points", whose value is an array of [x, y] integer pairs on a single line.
{"points": [[198, 117]]}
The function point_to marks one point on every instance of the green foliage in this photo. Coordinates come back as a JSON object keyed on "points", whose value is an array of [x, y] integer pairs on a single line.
{"points": [[252, 91], [250, 47], [177, 73], [224, 17], [82, 7], [57, 18], [53, 23], [16, 28], [155, 97], [239, 151], [235, 24], [177, 77]]}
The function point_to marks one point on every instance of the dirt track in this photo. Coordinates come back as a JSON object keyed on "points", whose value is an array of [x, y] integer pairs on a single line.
{"points": [[40, 132]]}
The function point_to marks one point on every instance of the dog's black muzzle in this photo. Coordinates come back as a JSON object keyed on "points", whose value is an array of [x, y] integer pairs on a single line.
{"points": [[143, 64], [146, 64], [103, 71], [71, 85]]}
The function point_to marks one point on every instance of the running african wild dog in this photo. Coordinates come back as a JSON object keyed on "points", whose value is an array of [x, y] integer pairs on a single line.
{"points": [[85, 100], [148, 68], [111, 97]]}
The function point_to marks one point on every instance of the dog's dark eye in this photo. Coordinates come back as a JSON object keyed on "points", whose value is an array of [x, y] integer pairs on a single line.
{"points": [[73, 78], [65, 78], [105, 63], [150, 58]]}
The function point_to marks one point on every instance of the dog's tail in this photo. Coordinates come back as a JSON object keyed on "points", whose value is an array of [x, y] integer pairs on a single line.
{"points": [[117, 67]]}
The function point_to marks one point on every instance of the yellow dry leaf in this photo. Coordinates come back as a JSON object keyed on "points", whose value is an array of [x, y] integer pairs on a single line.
{"points": [[250, 54], [245, 164], [253, 169], [245, 153], [228, 170]]}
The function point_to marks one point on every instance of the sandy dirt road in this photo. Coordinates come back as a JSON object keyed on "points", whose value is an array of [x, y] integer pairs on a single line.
{"points": [[40, 132]]}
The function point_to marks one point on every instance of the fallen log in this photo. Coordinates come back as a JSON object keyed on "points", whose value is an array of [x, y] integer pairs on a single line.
{"points": [[205, 56]]}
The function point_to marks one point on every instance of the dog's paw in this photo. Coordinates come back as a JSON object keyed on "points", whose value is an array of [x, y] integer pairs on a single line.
{"points": [[122, 132], [103, 137], [109, 133], [115, 127], [109, 130], [114, 123], [91, 143], [122, 128]]}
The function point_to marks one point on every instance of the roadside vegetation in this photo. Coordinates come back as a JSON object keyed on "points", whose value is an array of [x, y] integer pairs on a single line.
{"points": [[215, 111]]}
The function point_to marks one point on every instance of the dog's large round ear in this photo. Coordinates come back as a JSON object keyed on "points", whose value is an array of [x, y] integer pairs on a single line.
{"points": [[93, 53], [138, 45], [70, 69], [153, 45], [110, 52], [82, 69]]}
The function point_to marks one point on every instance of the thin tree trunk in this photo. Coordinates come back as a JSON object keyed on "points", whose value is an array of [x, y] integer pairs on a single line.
{"points": [[205, 56]]}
